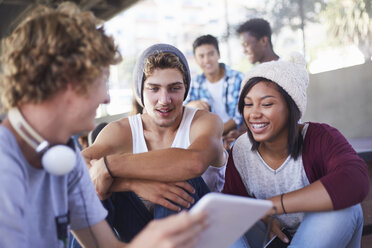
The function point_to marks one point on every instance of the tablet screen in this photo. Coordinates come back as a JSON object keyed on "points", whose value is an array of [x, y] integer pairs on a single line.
{"points": [[229, 217]]}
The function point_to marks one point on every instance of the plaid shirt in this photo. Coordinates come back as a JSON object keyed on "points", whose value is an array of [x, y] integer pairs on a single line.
{"points": [[231, 89]]}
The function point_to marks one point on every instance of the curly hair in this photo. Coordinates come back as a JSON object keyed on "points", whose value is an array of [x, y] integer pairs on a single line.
{"points": [[164, 60], [53, 48]]}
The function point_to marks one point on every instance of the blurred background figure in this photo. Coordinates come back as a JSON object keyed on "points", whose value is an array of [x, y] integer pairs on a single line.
{"points": [[255, 37], [217, 88], [83, 141]]}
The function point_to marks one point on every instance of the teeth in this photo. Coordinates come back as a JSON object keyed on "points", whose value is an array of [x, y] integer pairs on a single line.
{"points": [[257, 126], [164, 111]]}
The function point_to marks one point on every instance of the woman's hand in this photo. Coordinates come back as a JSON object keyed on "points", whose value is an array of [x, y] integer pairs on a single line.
{"points": [[276, 228]]}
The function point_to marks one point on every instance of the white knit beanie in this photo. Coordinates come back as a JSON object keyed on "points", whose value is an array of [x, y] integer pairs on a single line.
{"points": [[290, 73]]}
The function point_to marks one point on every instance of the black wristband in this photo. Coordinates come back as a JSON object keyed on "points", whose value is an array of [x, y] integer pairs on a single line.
{"points": [[281, 201], [105, 162]]}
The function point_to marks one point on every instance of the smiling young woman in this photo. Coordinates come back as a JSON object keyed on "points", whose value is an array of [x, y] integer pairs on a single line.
{"points": [[302, 168]]}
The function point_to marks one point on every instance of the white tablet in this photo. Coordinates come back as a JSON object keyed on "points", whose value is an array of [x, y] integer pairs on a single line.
{"points": [[229, 218]]}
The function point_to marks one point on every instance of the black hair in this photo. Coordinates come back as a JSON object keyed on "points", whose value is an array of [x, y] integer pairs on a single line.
{"points": [[205, 39], [257, 27], [93, 134], [295, 139]]}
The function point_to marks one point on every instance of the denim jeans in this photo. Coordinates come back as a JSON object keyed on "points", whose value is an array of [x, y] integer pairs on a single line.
{"points": [[127, 214], [341, 228]]}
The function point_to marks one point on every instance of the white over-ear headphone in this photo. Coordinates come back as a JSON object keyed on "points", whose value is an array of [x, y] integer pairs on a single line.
{"points": [[58, 159]]}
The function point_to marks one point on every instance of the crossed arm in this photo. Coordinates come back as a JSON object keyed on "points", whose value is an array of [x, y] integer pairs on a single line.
{"points": [[166, 168], [170, 164], [176, 164]]}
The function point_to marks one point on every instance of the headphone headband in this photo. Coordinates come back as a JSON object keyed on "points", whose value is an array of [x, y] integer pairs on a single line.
{"points": [[26, 131], [57, 160]]}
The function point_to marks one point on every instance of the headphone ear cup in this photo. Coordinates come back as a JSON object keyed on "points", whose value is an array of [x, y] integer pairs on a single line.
{"points": [[59, 160]]}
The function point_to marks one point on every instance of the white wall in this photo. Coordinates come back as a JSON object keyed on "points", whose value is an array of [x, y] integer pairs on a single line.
{"points": [[343, 99]]}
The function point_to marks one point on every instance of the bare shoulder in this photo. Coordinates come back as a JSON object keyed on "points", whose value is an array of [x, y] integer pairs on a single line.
{"points": [[206, 123], [115, 137], [115, 130], [119, 125], [203, 116]]}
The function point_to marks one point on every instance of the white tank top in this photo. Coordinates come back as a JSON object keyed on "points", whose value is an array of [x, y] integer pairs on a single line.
{"points": [[214, 177]]}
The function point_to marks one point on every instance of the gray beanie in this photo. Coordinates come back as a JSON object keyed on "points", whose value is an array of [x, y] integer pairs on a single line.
{"points": [[138, 73], [290, 73]]}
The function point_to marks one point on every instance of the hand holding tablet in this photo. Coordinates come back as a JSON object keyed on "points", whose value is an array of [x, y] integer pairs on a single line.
{"points": [[229, 218]]}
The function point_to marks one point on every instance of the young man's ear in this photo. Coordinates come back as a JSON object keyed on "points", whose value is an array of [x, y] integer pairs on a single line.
{"points": [[264, 40]]}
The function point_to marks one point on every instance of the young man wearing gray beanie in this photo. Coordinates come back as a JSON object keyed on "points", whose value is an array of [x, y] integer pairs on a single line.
{"points": [[143, 161]]}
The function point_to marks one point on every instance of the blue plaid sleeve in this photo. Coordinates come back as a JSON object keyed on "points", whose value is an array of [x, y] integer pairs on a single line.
{"points": [[198, 90], [235, 81]]}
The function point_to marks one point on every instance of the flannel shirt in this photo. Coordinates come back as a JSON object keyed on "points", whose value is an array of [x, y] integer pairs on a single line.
{"points": [[231, 88]]}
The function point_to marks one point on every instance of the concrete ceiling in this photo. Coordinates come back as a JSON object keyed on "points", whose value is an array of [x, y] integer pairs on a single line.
{"points": [[12, 12]]}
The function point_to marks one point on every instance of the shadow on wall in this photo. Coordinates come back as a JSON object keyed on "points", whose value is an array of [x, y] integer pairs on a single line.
{"points": [[343, 99]]}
